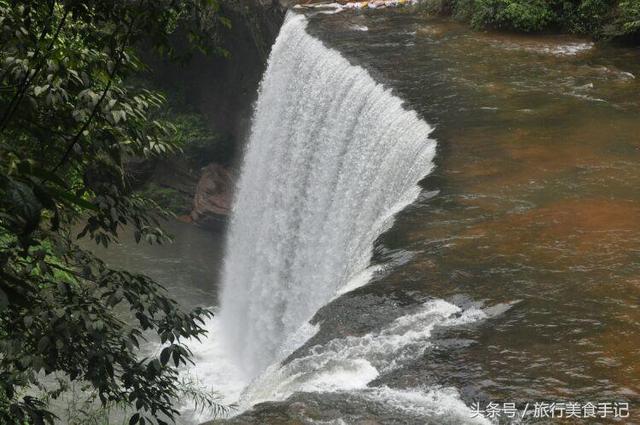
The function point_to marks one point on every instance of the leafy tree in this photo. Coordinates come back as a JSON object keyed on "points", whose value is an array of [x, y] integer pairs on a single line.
{"points": [[534, 15], [603, 19], [627, 20], [69, 120]]}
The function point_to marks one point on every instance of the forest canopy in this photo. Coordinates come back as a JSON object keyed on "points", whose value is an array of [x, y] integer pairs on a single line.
{"points": [[71, 116]]}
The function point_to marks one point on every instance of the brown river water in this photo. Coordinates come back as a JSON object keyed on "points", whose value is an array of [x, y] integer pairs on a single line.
{"points": [[536, 200]]}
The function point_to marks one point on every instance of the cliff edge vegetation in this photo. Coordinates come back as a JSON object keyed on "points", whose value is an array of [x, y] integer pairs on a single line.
{"points": [[602, 19]]}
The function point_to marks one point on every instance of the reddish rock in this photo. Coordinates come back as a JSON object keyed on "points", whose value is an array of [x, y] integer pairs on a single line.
{"points": [[184, 218], [213, 197]]}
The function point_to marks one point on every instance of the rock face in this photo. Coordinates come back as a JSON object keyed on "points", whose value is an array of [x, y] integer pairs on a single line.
{"points": [[213, 197], [224, 88]]}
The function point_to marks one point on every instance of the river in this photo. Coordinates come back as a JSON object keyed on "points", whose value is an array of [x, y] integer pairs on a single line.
{"points": [[512, 276]]}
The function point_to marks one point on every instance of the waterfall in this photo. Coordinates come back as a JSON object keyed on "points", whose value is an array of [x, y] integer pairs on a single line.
{"points": [[331, 157]]}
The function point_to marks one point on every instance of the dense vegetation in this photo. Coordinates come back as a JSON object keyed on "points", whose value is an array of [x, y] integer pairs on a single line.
{"points": [[599, 18], [70, 120]]}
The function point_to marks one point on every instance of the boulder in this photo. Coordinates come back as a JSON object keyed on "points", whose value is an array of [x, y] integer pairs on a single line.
{"points": [[213, 197]]}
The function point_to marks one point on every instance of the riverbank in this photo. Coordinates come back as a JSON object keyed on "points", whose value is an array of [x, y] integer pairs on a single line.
{"points": [[600, 19]]}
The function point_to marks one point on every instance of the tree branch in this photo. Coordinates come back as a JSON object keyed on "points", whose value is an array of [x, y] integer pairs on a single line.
{"points": [[94, 112]]}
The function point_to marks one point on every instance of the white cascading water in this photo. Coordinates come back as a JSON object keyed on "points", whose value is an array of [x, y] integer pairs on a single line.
{"points": [[332, 156]]}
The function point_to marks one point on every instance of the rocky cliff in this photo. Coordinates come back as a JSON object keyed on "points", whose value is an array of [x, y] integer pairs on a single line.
{"points": [[222, 90]]}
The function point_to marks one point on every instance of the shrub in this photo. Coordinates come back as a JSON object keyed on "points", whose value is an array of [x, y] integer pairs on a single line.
{"points": [[69, 120], [628, 18], [518, 15], [464, 9], [599, 18], [437, 7], [584, 17]]}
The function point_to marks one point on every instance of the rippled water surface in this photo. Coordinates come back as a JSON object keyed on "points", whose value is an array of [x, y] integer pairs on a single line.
{"points": [[535, 201]]}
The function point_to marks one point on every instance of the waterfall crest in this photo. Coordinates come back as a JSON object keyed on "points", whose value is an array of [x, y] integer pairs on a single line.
{"points": [[331, 157]]}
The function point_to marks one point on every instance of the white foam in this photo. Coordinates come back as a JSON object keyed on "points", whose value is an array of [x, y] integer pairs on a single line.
{"points": [[547, 48], [346, 364], [214, 365], [359, 280], [339, 377], [352, 362], [436, 403]]}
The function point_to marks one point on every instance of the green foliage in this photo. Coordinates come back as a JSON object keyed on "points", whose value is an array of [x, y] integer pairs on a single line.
{"points": [[436, 7], [518, 15], [83, 407], [199, 144], [69, 120], [463, 9], [205, 400], [585, 17], [599, 18], [627, 21]]}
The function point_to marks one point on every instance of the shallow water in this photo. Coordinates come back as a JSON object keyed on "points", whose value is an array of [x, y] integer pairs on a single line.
{"points": [[188, 267]]}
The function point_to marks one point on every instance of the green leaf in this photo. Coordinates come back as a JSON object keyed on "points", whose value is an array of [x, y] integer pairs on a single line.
{"points": [[46, 175], [43, 344], [165, 355], [73, 199], [134, 419]]}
